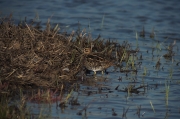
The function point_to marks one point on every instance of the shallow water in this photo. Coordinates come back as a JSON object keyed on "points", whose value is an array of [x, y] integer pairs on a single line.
{"points": [[117, 20]]}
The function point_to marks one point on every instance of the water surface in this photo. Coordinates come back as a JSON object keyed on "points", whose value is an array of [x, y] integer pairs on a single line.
{"points": [[117, 20]]}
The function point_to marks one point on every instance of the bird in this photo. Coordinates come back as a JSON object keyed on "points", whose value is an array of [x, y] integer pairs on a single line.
{"points": [[96, 61]]}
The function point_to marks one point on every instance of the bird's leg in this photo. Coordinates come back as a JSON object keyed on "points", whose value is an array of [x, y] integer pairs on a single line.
{"points": [[94, 72], [102, 72]]}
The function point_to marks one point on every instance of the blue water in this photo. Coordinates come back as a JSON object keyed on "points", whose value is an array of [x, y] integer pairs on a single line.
{"points": [[117, 20], [119, 16]]}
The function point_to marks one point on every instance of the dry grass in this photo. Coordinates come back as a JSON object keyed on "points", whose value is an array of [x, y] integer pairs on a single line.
{"points": [[47, 58]]}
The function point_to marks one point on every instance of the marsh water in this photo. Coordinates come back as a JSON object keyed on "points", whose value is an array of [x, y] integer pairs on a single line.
{"points": [[120, 21]]}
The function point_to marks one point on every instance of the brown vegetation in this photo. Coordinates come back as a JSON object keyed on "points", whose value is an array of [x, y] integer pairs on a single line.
{"points": [[47, 58]]}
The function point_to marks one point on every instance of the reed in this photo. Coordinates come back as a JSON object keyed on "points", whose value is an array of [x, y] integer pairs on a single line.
{"points": [[36, 18], [63, 102], [145, 71], [16, 110], [89, 26], [166, 92], [152, 106], [138, 111], [137, 44], [152, 35], [158, 47], [5, 110], [125, 112], [102, 22]]}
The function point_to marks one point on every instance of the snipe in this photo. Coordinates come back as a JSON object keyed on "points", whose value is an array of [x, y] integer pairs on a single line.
{"points": [[96, 61]]}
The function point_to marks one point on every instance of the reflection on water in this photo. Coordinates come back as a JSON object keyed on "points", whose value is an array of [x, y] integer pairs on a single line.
{"points": [[118, 20]]}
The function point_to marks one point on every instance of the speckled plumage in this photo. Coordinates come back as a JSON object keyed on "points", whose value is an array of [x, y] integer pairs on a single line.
{"points": [[96, 63]]}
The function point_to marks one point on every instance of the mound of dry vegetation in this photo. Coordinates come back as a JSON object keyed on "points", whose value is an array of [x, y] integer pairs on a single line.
{"points": [[47, 58]]}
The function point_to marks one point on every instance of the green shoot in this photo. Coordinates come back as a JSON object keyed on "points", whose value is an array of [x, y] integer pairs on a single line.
{"points": [[158, 47], [171, 73], [145, 71], [167, 93], [152, 106], [36, 15], [89, 26], [102, 23], [68, 96], [137, 39]]}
